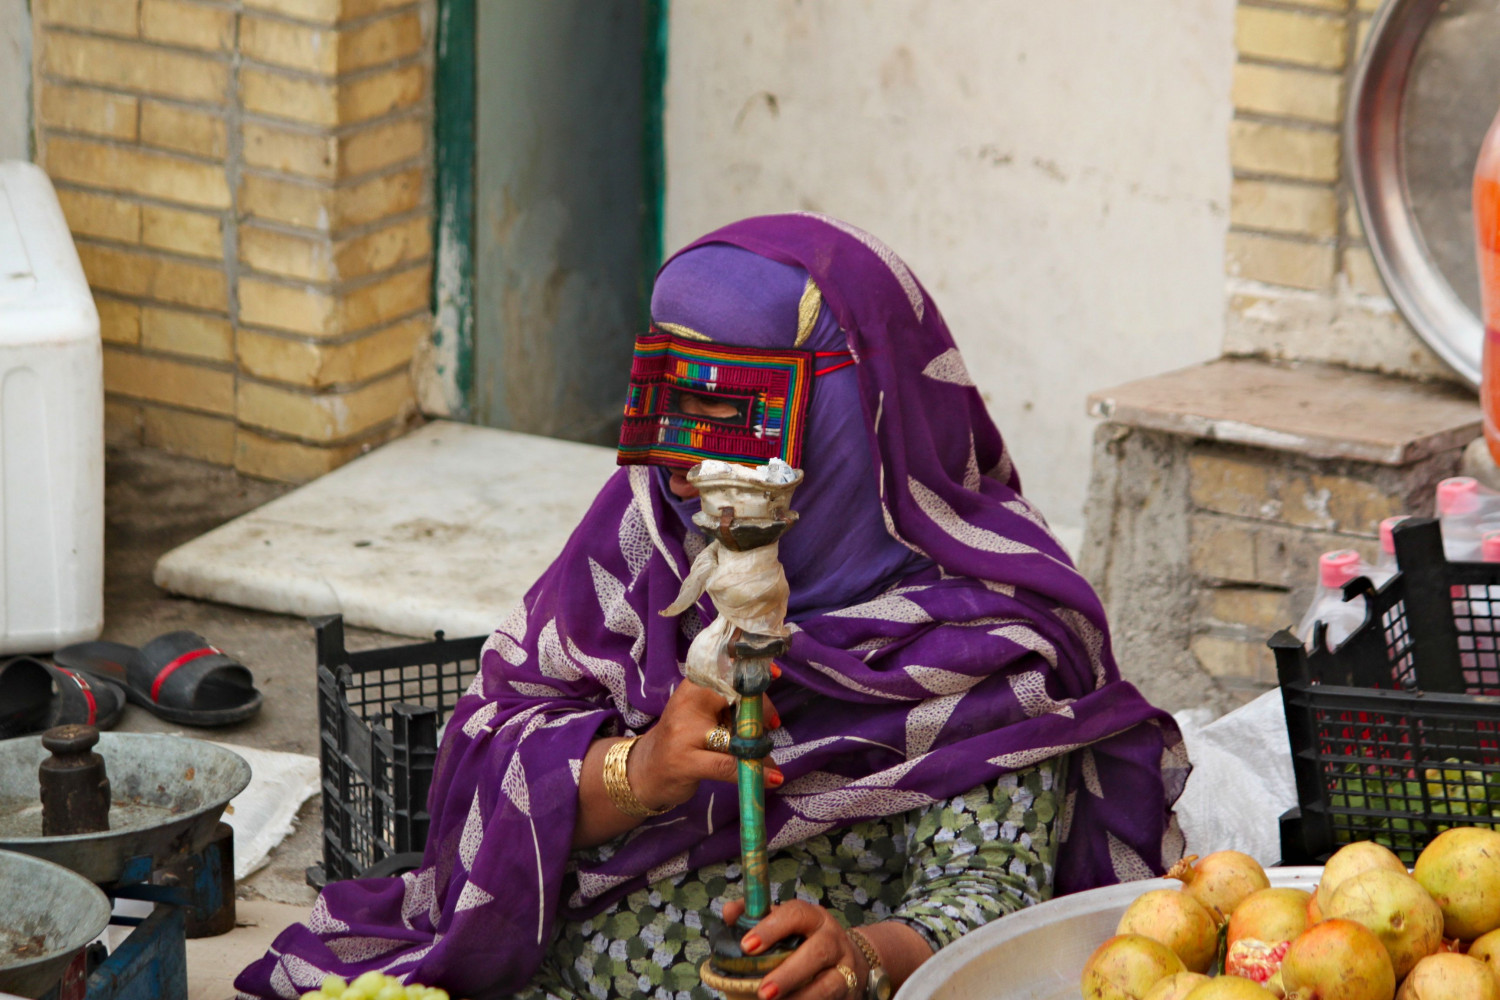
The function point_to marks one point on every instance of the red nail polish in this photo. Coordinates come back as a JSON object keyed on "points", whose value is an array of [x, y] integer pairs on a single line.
{"points": [[769, 991], [775, 671], [774, 778], [750, 942]]}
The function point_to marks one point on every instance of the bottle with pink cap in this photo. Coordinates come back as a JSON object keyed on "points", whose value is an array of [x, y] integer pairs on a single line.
{"points": [[1385, 563], [1467, 510], [1328, 605], [1489, 547]]}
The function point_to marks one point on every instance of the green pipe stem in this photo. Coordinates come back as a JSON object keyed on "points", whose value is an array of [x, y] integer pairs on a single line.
{"points": [[749, 724]]}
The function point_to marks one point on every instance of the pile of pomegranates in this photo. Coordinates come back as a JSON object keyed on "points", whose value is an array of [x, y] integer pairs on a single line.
{"points": [[1371, 930]]}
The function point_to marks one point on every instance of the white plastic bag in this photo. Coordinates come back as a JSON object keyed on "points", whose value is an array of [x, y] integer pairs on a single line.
{"points": [[1241, 782]]}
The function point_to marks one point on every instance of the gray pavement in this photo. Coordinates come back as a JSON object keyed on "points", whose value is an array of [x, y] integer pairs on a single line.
{"points": [[154, 502]]}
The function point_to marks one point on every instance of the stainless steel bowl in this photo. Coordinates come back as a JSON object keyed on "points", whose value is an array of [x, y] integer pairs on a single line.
{"points": [[1038, 953], [168, 793], [50, 913]]}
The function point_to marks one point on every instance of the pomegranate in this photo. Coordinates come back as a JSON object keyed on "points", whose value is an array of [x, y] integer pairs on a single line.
{"points": [[1270, 915], [1486, 948], [1461, 869], [1347, 861], [1220, 880], [1126, 966], [1338, 960], [1314, 911], [1230, 988], [1178, 921], [1176, 987], [1396, 907], [1257, 960], [1450, 977]]}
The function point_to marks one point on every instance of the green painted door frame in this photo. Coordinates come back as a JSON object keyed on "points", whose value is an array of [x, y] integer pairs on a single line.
{"points": [[454, 102], [455, 140]]}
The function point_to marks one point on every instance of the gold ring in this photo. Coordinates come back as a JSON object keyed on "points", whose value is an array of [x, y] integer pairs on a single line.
{"points": [[717, 739], [850, 978]]}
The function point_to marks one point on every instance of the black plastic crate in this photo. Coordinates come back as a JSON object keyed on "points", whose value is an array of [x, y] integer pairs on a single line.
{"points": [[1395, 736], [379, 712]]}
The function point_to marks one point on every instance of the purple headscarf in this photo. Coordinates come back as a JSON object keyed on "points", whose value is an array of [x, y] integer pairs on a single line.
{"points": [[842, 550], [987, 654]]}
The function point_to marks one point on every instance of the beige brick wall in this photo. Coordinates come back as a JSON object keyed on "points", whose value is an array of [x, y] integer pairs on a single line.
{"points": [[1201, 550], [248, 183], [1302, 284]]}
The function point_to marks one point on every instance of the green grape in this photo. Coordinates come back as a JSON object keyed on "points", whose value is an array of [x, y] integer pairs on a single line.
{"points": [[392, 990], [333, 986], [367, 985], [315, 995]]}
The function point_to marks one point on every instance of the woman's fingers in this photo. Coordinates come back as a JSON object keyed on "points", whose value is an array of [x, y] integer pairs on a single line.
{"points": [[784, 920], [830, 984], [699, 699], [711, 766], [805, 974], [732, 911]]}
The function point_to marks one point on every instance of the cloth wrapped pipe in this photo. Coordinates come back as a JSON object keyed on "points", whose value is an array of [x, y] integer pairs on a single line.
{"points": [[955, 738]]}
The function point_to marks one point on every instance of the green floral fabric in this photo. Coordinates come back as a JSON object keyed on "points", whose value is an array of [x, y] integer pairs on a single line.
{"points": [[944, 869]]}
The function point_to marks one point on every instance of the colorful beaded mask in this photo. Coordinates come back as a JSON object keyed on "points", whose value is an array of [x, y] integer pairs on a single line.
{"points": [[673, 380]]}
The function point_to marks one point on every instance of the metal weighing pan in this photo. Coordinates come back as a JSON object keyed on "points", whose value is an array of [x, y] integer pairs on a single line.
{"points": [[1038, 953], [49, 914], [1426, 89], [168, 793]]}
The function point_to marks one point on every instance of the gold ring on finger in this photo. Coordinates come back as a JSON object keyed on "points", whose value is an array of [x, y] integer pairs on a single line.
{"points": [[717, 739], [850, 979]]}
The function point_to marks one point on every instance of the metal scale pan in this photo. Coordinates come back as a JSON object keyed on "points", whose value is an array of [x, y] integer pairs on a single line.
{"points": [[168, 793], [50, 913], [162, 846]]}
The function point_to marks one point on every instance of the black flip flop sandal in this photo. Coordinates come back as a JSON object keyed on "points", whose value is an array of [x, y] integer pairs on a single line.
{"points": [[35, 696], [178, 677]]}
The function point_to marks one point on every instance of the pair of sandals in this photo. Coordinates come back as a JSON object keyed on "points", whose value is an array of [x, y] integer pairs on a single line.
{"points": [[179, 677]]}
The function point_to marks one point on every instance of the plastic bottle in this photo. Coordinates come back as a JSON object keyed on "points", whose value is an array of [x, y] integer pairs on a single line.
{"points": [[1466, 510], [1489, 547], [1385, 564], [1328, 605], [1486, 193]]}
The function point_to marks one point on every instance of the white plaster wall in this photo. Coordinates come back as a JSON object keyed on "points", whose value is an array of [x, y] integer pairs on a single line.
{"points": [[1056, 173], [15, 80]]}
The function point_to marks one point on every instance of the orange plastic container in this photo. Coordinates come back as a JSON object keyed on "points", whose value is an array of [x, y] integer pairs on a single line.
{"points": [[1487, 241]]}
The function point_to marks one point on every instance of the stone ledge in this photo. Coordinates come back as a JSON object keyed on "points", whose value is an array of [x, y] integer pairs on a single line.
{"points": [[1321, 411]]}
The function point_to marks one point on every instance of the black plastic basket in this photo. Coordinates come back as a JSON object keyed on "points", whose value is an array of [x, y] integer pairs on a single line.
{"points": [[1395, 735], [378, 717]]}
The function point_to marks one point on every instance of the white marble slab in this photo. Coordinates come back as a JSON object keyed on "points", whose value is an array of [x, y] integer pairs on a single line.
{"points": [[445, 528]]}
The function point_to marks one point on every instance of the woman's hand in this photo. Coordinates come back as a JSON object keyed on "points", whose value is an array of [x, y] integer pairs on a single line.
{"points": [[811, 973], [669, 761]]}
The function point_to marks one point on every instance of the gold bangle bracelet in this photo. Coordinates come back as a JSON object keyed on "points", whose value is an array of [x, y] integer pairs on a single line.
{"points": [[617, 781]]}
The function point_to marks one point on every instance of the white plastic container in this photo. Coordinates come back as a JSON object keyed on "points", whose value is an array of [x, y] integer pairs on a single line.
{"points": [[1328, 606], [51, 426]]}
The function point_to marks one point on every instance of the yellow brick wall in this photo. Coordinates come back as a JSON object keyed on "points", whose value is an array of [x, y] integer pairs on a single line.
{"points": [[1302, 283], [248, 183], [1284, 142]]}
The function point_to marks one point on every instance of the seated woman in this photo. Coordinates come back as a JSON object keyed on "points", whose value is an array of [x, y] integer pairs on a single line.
{"points": [[954, 738]]}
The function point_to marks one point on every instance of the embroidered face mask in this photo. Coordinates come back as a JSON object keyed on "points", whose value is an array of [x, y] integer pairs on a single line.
{"points": [[691, 400]]}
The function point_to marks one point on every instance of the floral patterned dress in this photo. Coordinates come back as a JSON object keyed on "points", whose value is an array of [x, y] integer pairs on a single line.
{"points": [[944, 869]]}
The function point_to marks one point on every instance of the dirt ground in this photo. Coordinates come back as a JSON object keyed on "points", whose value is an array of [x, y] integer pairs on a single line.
{"points": [[153, 503]]}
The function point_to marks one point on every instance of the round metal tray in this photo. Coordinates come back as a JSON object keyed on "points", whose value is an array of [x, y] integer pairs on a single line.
{"points": [[1426, 89], [50, 913], [1038, 953], [168, 795]]}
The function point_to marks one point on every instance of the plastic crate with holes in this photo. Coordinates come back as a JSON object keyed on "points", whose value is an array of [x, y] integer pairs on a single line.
{"points": [[379, 715], [1395, 735]]}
